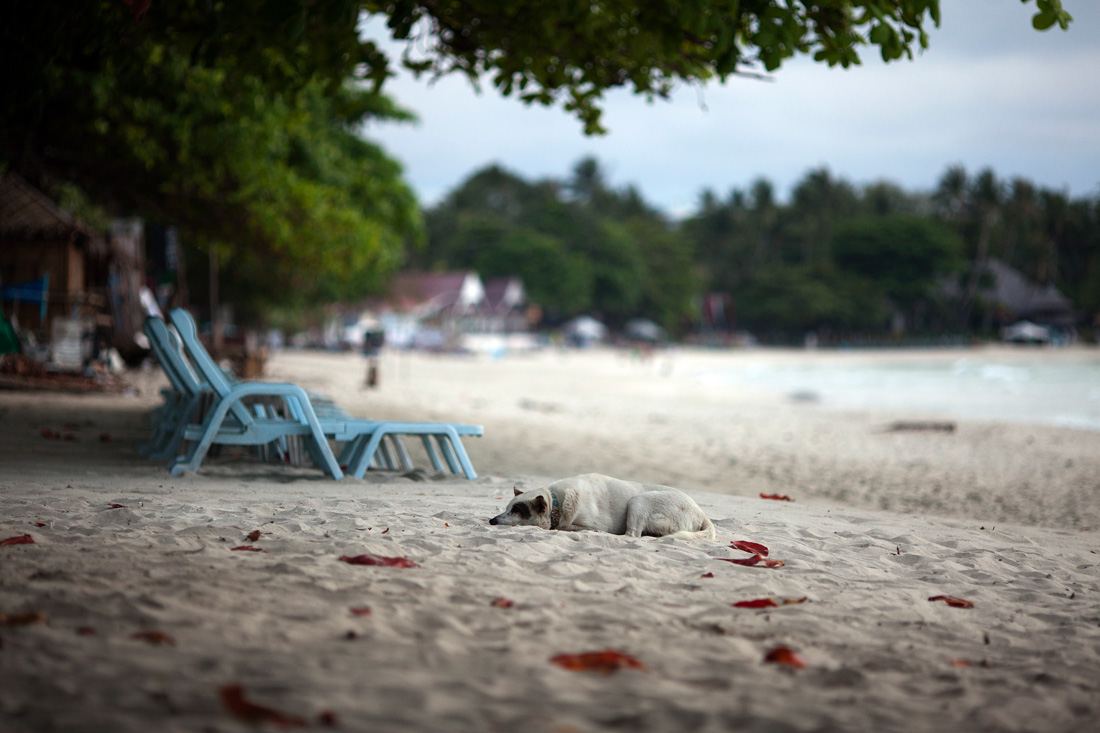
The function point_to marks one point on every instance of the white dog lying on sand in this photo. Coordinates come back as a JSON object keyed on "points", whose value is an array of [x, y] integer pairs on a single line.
{"points": [[606, 504]]}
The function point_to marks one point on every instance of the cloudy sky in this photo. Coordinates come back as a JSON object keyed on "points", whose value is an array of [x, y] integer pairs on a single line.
{"points": [[989, 92]]}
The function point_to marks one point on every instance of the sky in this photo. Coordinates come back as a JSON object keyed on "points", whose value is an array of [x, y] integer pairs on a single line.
{"points": [[990, 92]]}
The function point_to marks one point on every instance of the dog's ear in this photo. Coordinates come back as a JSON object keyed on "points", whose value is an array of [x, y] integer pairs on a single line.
{"points": [[539, 504], [516, 489]]}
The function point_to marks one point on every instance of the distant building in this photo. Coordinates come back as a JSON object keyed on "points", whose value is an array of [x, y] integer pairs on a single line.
{"points": [[51, 264], [1014, 298], [507, 305], [449, 310]]}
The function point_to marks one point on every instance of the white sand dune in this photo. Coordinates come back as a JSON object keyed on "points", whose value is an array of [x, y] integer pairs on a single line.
{"points": [[968, 517]]}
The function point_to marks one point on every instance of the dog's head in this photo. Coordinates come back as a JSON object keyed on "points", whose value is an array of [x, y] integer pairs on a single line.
{"points": [[526, 508]]}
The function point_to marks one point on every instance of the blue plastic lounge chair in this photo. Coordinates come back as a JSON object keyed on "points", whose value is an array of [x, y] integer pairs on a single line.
{"points": [[363, 440]]}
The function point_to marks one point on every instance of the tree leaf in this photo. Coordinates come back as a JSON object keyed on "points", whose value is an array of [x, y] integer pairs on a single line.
{"points": [[241, 708], [604, 662], [784, 655], [751, 547], [390, 562]]}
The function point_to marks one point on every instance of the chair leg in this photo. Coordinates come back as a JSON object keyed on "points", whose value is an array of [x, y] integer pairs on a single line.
{"points": [[433, 454], [448, 452], [402, 453]]}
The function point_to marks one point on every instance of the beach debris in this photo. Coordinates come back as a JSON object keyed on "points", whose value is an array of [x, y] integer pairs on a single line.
{"points": [[22, 619], [953, 601], [153, 637], [502, 602], [241, 708], [23, 539], [776, 497], [753, 548], [918, 425], [116, 506], [754, 560], [247, 548], [390, 562], [253, 535], [769, 602], [360, 610], [39, 523], [603, 662], [707, 575], [327, 718], [784, 655]]}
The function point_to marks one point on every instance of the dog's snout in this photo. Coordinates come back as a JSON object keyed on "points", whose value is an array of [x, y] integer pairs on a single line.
{"points": [[494, 520]]}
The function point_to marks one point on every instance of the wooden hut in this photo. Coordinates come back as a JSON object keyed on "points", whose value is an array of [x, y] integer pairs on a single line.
{"points": [[48, 258]]}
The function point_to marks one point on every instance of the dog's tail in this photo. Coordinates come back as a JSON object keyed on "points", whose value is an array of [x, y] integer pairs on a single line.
{"points": [[706, 532]]}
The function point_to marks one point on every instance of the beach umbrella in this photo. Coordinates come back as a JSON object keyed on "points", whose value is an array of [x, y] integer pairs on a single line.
{"points": [[1026, 332], [644, 330], [585, 327]]}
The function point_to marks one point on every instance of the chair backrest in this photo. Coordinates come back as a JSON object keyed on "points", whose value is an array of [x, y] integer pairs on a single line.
{"points": [[208, 371], [166, 347]]}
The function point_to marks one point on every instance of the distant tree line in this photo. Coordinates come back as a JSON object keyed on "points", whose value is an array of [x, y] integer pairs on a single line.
{"points": [[835, 259]]}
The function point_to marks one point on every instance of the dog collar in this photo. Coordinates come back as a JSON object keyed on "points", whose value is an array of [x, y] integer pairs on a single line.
{"points": [[555, 511]]}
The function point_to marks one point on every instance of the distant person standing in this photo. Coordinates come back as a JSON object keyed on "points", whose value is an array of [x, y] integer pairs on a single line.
{"points": [[372, 349]]}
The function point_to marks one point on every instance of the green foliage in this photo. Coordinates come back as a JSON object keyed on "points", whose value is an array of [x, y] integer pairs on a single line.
{"points": [[236, 122], [570, 52], [902, 255], [793, 299], [580, 245]]}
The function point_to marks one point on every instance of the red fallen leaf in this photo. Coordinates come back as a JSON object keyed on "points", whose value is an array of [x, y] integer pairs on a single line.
{"points": [[446, 525], [390, 562], [247, 548], [742, 561], [360, 610], [22, 619], [241, 708], [154, 637], [253, 535], [953, 601], [50, 435], [776, 497], [502, 602], [754, 560], [104, 437], [327, 718], [116, 506], [604, 662], [707, 575], [784, 655], [39, 524], [23, 539], [960, 663], [85, 631], [754, 548], [387, 529], [769, 602]]}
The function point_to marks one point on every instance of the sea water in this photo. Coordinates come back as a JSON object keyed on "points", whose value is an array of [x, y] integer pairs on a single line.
{"points": [[1036, 389]]}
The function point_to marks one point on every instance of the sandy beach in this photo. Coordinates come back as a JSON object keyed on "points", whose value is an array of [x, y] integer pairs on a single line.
{"points": [[134, 608]]}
